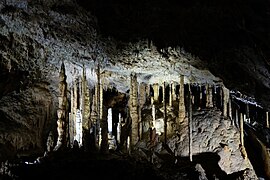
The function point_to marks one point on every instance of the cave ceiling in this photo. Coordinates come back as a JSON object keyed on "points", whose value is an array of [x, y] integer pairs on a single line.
{"points": [[211, 42], [231, 38]]}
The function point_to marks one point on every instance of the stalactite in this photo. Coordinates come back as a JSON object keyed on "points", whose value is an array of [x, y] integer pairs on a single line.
{"points": [[190, 124], [267, 119], [165, 112], [133, 109], [62, 109], [241, 129], [156, 92], [173, 92], [182, 109], [226, 94]]}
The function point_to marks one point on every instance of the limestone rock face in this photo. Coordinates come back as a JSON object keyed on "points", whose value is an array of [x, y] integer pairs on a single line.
{"points": [[212, 133]]}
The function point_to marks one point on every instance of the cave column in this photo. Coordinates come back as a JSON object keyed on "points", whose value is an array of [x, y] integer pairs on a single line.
{"points": [[230, 109], [133, 109], [85, 110], [182, 110], [226, 94], [156, 91], [236, 118], [104, 146], [247, 113], [142, 100], [209, 96], [241, 129], [119, 125], [71, 117], [267, 119], [190, 123], [62, 109], [165, 112], [171, 94]]}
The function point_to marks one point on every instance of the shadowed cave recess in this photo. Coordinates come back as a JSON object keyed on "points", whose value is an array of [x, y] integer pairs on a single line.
{"points": [[131, 89]]}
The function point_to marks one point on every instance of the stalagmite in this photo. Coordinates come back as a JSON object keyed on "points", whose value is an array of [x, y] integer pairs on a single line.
{"points": [[201, 93], [98, 105], [230, 110], [209, 96], [236, 118], [247, 113], [226, 94], [156, 92], [267, 120], [165, 112], [190, 124], [104, 148], [62, 109], [154, 115], [142, 100], [241, 129], [133, 109], [182, 109], [85, 110], [71, 117], [171, 95], [119, 128]]}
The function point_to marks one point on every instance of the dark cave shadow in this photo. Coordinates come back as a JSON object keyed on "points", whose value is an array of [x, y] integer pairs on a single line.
{"points": [[208, 161]]}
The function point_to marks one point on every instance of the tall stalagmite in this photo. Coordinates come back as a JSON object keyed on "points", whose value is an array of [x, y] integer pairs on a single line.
{"points": [[133, 109], [62, 110], [241, 129], [156, 91], [104, 147], [85, 110], [209, 96], [182, 109], [190, 123], [165, 112], [226, 95], [267, 119]]}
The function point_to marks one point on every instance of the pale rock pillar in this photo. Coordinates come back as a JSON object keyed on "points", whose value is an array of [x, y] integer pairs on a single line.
{"points": [[156, 91], [165, 112], [230, 110], [241, 129], [142, 100], [182, 109], [267, 119], [154, 115], [85, 110], [62, 109], [209, 96], [173, 92], [133, 109], [236, 118], [119, 126], [226, 95], [104, 147], [71, 118], [190, 123], [247, 113], [171, 95], [98, 105]]}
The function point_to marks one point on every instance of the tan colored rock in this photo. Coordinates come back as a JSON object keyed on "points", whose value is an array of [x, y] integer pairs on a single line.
{"points": [[182, 109]]}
